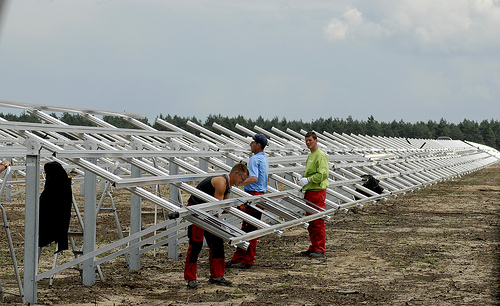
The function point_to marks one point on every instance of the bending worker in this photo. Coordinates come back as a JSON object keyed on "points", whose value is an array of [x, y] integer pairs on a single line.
{"points": [[314, 184], [255, 184], [218, 187]]}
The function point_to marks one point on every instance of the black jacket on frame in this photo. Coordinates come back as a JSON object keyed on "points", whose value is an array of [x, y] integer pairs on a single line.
{"points": [[55, 207]]}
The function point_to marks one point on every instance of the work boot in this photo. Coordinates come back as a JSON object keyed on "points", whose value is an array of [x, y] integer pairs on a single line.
{"points": [[241, 265], [221, 281], [305, 253], [317, 254], [193, 284]]}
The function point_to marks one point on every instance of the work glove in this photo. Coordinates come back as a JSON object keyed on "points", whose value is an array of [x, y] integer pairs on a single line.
{"points": [[245, 206], [303, 181]]}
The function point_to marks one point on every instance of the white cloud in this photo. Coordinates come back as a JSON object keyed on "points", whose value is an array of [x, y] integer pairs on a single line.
{"points": [[336, 30], [353, 25], [433, 25], [353, 17]]}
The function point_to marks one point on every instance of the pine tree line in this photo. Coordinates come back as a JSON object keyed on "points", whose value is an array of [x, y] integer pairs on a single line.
{"points": [[486, 132]]}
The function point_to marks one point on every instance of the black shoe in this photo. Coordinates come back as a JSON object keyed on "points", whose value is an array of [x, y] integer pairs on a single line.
{"points": [[317, 254], [221, 281], [193, 284], [241, 265], [305, 253]]}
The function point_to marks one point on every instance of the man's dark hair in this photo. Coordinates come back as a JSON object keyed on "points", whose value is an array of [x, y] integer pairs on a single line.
{"points": [[311, 134], [241, 168]]}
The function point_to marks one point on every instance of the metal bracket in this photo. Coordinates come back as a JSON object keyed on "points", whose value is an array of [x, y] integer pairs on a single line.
{"points": [[175, 146], [90, 144], [33, 146], [202, 146], [136, 145]]}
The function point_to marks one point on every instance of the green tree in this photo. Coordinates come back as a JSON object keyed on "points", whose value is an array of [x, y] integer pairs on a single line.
{"points": [[354, 126], [21, 118], [470, 130], [119, 122], [421, 130], [373, 128], [75, 119], [456, 132], [487, 134], [405, 129], [432, 127], [442, 129]]}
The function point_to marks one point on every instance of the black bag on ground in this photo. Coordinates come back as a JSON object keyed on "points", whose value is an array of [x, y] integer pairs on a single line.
{"points": [[372, 184], [55, 207]]}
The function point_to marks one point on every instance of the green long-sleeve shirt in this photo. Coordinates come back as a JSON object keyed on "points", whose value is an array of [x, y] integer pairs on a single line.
{"points": [[316, 171]]}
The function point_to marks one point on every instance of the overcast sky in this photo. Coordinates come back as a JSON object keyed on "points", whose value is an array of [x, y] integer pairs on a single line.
{"points": [[393, 59]]}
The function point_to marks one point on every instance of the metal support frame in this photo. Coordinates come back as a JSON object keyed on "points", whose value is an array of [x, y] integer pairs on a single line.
{"points": [[31, 224], [135, 223], [5, 224], [89, 232], [148, 157]]}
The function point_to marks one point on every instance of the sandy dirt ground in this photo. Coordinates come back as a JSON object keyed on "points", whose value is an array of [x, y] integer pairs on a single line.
{"points": [[435, 246]]}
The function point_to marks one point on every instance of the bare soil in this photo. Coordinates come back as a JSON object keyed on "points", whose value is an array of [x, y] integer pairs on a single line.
{"points": [[435, 246]]}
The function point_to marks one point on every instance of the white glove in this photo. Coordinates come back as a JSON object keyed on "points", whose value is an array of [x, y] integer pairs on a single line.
{"points": [[303, 181]]}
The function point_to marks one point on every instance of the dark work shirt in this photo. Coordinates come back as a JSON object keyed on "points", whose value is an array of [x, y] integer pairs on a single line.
{"points": [[207, 187]]}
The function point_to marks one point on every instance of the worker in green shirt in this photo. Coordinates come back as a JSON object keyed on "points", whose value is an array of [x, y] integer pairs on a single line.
{"points": [[314, 183]]}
